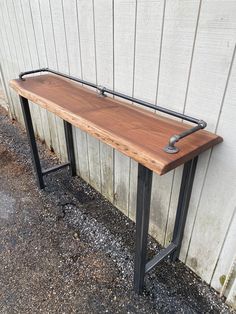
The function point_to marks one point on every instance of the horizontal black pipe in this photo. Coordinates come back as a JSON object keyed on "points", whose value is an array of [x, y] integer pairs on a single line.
{"points": [[109, 91], [170, 148]]}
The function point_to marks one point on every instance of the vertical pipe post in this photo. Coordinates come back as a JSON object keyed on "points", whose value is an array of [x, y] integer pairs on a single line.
{"points": [[70, 147], [32, 142], [183, 204], [142, 221]]}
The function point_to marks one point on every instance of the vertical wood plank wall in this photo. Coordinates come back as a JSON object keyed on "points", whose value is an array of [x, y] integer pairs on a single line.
{"points": [[177, 53]]}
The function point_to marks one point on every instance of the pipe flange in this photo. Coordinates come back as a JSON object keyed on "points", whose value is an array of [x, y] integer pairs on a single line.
{"points": [[171, 149], [101, 90]]}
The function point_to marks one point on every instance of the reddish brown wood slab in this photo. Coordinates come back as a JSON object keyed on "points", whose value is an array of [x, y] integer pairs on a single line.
{"points": [[134, 131]]}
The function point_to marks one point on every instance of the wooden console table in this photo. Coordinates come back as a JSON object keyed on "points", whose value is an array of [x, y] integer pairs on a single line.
{"points": [[157, 143]]}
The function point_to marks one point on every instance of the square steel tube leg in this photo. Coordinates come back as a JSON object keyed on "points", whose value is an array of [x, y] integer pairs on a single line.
{"points": [[183, 204], [31, 137], [70, 147], [142, 221]]}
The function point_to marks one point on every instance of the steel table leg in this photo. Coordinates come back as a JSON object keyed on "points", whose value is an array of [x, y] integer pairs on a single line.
{"points": [[183, 204], [32, 142], [142, 222], [70, 147]]}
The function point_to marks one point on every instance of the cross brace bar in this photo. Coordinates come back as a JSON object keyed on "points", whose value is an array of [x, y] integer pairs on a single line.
{"points": [[164, 253], [55, 168]]}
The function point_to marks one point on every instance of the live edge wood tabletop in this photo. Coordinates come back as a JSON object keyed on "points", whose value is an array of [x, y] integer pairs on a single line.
{"points": [[136, 132]]}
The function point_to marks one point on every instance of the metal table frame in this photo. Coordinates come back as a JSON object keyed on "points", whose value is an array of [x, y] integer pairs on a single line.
{"points": [[141, 266]]}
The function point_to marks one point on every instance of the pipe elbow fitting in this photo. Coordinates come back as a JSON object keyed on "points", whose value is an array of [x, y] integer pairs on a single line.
{"points": [[202, 124], [174, 139]]}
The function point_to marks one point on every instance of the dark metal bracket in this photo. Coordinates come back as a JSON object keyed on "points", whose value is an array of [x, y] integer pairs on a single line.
{"points": [[170, 148]]}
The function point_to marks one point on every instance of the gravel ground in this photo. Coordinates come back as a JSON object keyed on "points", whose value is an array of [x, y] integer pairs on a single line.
{"points": [[68, 250]]}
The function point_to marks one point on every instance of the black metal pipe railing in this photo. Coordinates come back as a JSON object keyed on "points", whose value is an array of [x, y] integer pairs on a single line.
{"points": [[170, 148]]}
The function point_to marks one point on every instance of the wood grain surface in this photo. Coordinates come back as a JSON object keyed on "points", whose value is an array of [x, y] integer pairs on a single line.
{"points": [[136, 132]]}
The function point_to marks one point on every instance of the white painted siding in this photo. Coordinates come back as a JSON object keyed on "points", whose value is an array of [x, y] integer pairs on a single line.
{"points": [[177, 53]]}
